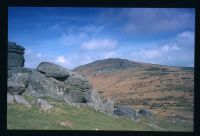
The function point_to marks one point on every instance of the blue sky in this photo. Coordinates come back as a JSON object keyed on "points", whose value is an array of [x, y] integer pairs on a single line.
{"points": [[76, 36]]}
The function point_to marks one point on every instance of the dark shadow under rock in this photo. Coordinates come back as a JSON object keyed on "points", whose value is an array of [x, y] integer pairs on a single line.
{"points": [[145, 112], [125, 111]]}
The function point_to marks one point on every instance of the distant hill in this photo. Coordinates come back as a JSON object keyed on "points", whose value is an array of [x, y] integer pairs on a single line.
{"points": [[107, 65], [167, 90], [116, 64]]}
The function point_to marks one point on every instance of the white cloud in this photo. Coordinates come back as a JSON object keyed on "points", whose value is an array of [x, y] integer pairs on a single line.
{"points": [[28, 52], [175, 47], [99, 44], [176, 51], [165, 48], [39, 54], [61, 59], [170, 47], [92, 29], [186, 39], [33, 59], [154, 53], [186, 35], [71, 39]]}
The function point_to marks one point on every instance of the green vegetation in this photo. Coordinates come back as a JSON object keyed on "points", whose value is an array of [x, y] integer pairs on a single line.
{"points": [[66, 117], [169, 124]]}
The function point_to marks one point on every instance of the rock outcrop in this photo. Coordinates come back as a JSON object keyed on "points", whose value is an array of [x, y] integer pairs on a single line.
{"points": [[53, 70], [44, 105], [12, 98], [49, 80], [99, 104], [18, 83], [145, 112], [52, 80], [57, 82], [16, 70], [125, 111], [15, 55], [20, 99]]}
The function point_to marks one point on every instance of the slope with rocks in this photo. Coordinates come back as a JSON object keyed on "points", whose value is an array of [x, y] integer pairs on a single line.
{"points": [[166, 90], [56, 82], [66, 117]]}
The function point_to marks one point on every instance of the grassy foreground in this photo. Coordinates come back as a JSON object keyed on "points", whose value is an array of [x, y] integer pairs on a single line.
{"points": [[65, 117]]}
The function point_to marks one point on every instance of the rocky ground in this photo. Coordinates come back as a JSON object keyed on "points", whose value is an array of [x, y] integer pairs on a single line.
{"points": [[69, 117]]}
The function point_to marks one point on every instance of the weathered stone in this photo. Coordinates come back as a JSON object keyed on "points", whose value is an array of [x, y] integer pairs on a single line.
{"points": [[77, 82], [13, 45], [109, 106], [16, 87], [15, 55], [95, 100], [145, 112], [53, 70], [97, 103], [125, 111], [41, 86], [10, 98], [12, 55], [16, 70], [44, 104], [77, 97], [19, 99], [15, 62], [17, 83]]}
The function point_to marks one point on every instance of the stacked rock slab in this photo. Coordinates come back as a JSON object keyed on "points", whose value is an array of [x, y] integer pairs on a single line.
{"points": [[55, 81], [15, 55], [48, 80], [18, 76]]}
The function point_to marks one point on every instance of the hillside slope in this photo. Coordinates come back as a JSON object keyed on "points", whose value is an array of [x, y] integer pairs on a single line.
{"points": [[66, 117], [167, 91]]}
